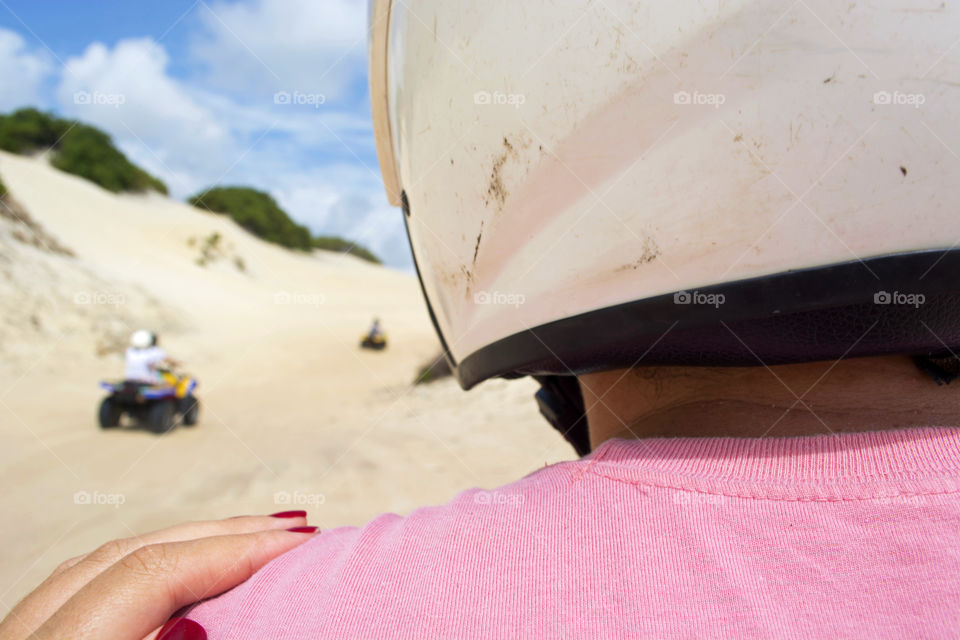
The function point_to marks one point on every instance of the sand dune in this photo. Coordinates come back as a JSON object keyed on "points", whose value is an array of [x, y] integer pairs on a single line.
{"points": [[295, 415]]}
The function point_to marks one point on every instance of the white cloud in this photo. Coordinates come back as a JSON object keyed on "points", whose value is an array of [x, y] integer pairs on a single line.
{"points": [[317, 162], [22, 72], [284, 45], [322, 128], [191, 136], [127, 92]]}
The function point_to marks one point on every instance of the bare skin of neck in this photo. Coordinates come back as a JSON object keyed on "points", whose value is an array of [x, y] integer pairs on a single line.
{"points": [[864, 394]]}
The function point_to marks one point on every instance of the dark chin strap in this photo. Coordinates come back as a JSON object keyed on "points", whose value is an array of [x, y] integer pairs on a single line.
{"points": [[942, 370], [561, 403]]}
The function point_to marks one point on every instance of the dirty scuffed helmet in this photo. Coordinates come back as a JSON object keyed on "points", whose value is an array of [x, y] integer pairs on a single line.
{"points": [[628, 184]]}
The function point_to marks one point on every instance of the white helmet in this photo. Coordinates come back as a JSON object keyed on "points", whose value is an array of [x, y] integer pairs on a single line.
{"points": [[603, 186], [141, 339]]}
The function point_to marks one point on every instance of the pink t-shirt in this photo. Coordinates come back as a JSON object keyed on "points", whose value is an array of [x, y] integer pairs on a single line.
{"points": [[847, 536]]}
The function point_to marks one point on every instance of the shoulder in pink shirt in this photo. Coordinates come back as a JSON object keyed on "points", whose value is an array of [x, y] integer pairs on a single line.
{"points": [[846, 536]]}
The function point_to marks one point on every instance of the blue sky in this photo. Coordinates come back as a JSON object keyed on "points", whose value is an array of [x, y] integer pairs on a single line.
{"points": [[268, 93]]}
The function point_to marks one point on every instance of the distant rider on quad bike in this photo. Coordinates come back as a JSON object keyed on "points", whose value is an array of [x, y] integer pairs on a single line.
{"points": [[375, 338], [152, 392]]}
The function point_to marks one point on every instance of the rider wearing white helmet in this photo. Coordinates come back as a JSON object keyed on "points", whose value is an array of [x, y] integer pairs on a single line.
{"points": [[144, 358]]}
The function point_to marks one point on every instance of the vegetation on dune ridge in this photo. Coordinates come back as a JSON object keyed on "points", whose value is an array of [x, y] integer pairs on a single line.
{"points": [[89, 153], [28, 129], [340, 245], [256, 212], [78, 149], [259, 213]]}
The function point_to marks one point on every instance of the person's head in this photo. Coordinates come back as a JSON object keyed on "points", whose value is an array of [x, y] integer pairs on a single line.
{"points": [[601, 225]]}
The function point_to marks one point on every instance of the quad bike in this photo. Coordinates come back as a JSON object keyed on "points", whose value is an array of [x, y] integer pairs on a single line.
{"points": [[155, 406], [376, 342]]}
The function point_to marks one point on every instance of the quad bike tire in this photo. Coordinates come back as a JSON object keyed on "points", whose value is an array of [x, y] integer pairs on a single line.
{"points": [[160, 416], [109, 414], [190, 410]]}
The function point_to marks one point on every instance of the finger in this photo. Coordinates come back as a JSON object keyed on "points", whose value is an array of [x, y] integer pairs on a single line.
{"points": [[72, 575], [139, 593], [112, 551]]}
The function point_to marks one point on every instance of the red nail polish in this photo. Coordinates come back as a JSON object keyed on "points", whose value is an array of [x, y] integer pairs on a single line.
{"points": [[182, 629], [289, 514], [303, 529]]}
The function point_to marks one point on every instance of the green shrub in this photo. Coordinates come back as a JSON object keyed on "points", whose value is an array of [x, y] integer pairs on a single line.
{"points": [[78, 149], [333, 243], [259, 213], [3, 189], [27, 130], [256, 212], [89, 153], [210, 250]]}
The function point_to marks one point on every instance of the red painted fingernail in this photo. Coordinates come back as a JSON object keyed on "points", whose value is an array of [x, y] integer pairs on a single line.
{"points": [[303, 529], [182, 629], [289, 514]]}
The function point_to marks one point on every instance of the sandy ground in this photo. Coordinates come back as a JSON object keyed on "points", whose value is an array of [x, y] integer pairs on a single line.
{"points": [[294, 414]]}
